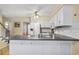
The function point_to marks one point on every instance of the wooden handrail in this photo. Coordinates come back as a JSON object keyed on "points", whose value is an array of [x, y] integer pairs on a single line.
{"points": [[3, 26]]}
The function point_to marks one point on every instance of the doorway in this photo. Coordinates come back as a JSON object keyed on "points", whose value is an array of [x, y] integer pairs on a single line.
{"points": [[25, 29]]}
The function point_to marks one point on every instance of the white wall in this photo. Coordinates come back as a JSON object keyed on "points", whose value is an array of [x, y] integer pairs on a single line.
{"points": [[12, 20]]}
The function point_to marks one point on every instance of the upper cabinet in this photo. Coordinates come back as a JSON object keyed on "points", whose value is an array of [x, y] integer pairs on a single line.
{"points": [[67, 15], [60, 19], [63, 17]]}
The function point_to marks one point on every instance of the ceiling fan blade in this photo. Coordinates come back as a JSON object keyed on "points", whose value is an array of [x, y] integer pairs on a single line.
{"points": [[38, 8]]}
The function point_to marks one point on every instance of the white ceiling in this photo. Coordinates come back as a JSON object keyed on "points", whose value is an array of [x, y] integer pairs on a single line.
{"points": [[26, 9]]}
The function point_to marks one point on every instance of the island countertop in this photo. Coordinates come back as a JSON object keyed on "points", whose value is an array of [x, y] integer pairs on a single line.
{"points": [[57, 38]]}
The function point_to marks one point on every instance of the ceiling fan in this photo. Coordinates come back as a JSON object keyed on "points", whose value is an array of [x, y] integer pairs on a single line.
{"points": [[36, 14]]}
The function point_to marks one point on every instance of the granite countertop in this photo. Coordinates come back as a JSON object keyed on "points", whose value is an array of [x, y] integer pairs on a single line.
{"points": [[57, 38]]}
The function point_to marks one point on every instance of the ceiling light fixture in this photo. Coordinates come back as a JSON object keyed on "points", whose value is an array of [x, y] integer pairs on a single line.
{"points": [[36, 15]]}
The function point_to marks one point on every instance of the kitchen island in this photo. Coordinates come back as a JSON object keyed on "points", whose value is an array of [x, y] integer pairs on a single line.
{"points": [[60, 45], [42, 46]]}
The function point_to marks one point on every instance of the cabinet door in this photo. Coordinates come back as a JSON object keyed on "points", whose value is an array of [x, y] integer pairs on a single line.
{"points": [[67, 15], [60, 17], [40, 47], [55, 20]]}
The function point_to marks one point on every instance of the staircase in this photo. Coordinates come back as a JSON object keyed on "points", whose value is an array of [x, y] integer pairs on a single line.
{"points": [[6, 38]]}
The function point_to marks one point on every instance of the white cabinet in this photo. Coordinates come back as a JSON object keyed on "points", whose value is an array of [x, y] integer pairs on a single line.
{"points": [[67, 15], [21, 47], [63, 17], [60, 18]]}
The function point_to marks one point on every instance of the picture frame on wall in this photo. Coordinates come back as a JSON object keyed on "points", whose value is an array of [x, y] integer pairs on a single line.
{"points": [[17, 24]]}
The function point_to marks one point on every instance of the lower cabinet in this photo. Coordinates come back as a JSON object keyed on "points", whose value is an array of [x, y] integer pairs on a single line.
{"points": [[39, 47]]}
